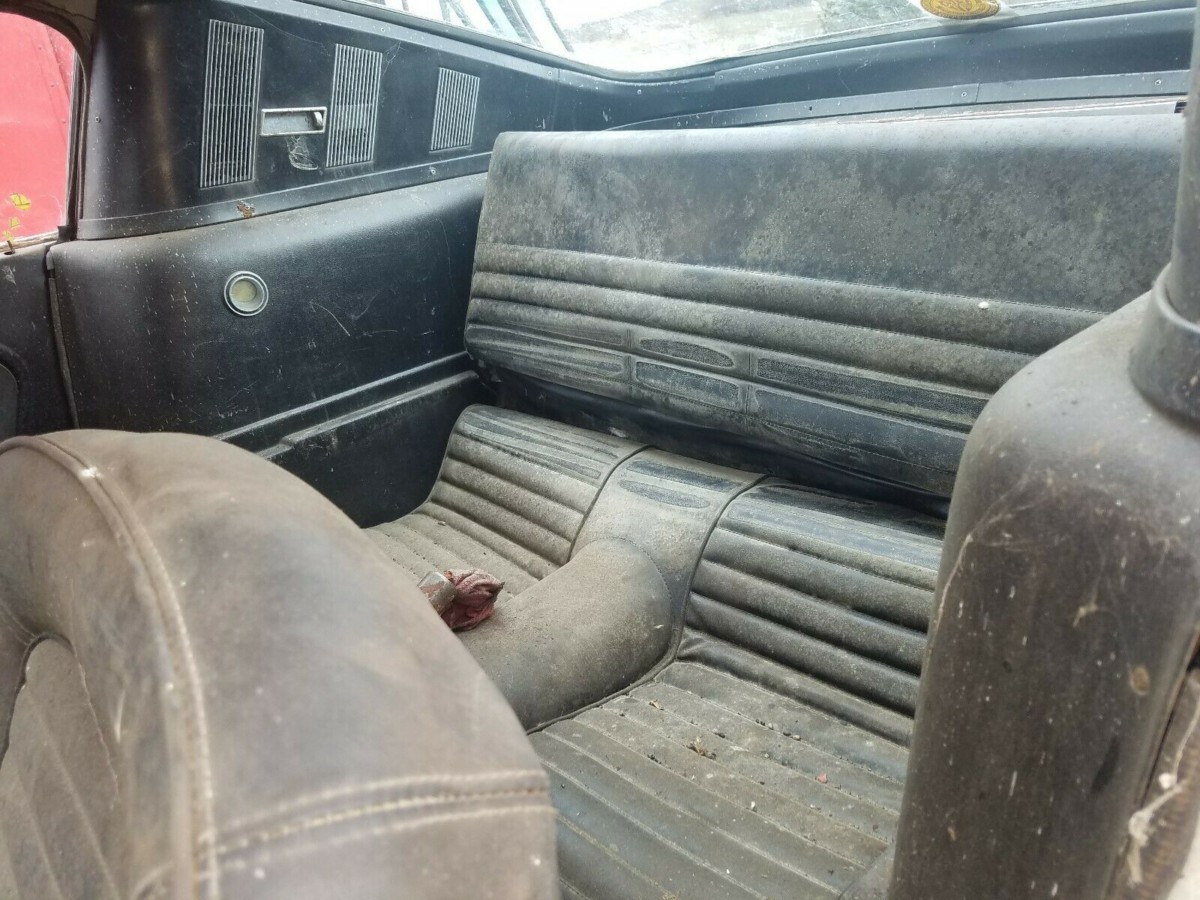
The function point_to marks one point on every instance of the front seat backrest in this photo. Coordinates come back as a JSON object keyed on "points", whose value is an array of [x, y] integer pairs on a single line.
{"points": [[232, 693]]}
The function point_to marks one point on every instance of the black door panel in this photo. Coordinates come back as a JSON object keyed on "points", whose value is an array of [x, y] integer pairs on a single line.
{"points": [[361, 332], [32, 399], [360, 291]]}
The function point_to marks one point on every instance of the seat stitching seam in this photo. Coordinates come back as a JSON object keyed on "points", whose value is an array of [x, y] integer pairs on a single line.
{"points": [[632, 451], [314, 822], [807, 357], [381, 785], [905, 678], [829, 750], [439, 512], [493, 498], [709, 656], [661, 728], [852, 611], [613, 857], [731, 529], [704, 704], [782, 795], [40, 833], [729, 306], [234, 863], [528, 457], [561, 772], [73, 789], [769, 695], [512, 482], [513, 436], [839, 403], [619, 773]]}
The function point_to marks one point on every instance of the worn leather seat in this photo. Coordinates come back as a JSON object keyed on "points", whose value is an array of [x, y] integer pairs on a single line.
{"points": [[804, 321], [213, 685]]}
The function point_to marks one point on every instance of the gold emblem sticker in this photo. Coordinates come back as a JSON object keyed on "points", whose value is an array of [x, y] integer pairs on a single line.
{"points": [[961, 9]]}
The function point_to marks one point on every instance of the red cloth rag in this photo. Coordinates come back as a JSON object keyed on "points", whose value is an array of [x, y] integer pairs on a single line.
{"points": [[475, 593]]}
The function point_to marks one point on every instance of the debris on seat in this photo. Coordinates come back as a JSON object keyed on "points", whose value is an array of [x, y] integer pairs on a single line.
{"points": [[463, 599]]}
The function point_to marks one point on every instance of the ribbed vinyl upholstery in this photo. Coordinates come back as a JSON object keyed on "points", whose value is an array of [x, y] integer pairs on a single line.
{"points": [[769, 759], [511, 496], [836, 589], [834, 302], [861, 375], [851, 293]]}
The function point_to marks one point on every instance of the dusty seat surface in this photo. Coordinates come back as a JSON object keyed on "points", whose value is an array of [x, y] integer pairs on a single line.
{"points": [[834, 310], [850, 294], [511, 497], [768, 760]]}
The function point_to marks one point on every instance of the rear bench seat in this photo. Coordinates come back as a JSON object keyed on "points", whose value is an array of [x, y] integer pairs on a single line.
{"points": [[832, 304]]}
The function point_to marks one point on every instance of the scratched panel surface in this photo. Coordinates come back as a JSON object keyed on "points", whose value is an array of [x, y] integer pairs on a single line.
{"points": [[361, 290]]}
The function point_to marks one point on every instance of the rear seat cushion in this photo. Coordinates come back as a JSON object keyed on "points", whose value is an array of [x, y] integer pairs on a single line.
{"points": [[511, 497], [769, 759], [595, 538]]}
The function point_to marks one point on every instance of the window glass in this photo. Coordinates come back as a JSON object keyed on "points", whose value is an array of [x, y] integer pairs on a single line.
{"points": [[35, 127], [650, 35]]}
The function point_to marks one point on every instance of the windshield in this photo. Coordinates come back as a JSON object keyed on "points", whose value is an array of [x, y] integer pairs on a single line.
{"points": [[653, 35]]}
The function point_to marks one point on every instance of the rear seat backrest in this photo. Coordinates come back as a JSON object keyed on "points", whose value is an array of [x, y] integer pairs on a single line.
{"points": [[846, 293]]}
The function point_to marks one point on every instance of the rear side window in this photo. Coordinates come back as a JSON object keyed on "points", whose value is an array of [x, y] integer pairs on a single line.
{"points": [[35, 127], [653, 35]]}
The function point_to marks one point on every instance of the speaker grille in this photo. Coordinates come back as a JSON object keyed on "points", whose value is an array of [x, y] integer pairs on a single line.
{"points": [[354, 107], [454, 110], [231, 85]]}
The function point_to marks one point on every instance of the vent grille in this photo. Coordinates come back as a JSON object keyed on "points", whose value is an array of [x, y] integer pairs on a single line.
{"points": [[454, 110], [231, 84], [354, 108]]}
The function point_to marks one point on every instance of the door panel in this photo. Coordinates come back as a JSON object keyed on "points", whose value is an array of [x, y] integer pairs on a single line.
{"points": [[32, 398], [358, 291], [365, 303]]}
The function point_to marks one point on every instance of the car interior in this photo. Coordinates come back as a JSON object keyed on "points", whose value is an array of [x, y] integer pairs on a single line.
{"points": [[829, 416]]}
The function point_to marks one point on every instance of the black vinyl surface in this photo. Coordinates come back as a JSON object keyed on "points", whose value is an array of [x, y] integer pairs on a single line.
{"points": [[32, 397], [144, 139], [852, 293], [362, 329]]}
